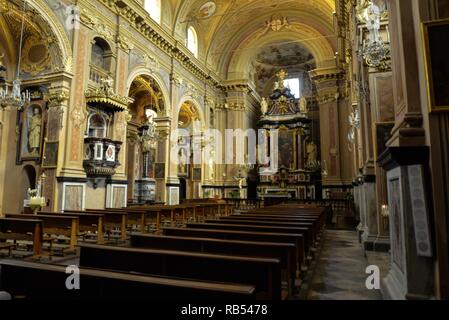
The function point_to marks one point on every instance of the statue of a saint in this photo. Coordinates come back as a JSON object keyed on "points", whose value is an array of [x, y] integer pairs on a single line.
{"points": [[276, 86], [182, 162], [311, 151], [303, 105], [211, 165], [34, 132], [372, 17], [264, 106]]}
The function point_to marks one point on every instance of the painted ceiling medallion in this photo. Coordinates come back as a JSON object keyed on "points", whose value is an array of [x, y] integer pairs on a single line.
{"points": [[207, 10], [35, 57]]}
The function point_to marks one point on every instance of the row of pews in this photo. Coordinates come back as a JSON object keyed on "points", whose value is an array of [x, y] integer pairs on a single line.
{"points": [[259, 254], [46, 227]]}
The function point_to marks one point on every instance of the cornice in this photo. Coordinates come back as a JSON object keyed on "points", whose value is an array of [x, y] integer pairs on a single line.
{"points": [[139, 20]]}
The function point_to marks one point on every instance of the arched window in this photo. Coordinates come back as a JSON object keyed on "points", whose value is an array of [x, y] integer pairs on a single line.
{"points": [[101, 54], [192, 41], [97, 126], [153, 7]]}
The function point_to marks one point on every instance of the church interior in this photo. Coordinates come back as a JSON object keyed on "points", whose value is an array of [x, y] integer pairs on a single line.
{"points": [[244, 150]]}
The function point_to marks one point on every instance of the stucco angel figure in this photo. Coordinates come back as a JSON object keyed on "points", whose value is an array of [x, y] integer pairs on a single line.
{"points": [[303, 105], [264, 106]]}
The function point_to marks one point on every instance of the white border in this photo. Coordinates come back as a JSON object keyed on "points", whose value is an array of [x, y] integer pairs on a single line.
{"points": [[83, 200], [110, 194]]}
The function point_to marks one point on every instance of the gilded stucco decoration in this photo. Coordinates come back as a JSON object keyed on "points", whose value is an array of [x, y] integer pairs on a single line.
{"points": [[105, 96], [35, 55]]}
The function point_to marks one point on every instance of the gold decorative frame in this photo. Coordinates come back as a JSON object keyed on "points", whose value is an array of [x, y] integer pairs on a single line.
{"points": [[34, 67], [427, 32]]}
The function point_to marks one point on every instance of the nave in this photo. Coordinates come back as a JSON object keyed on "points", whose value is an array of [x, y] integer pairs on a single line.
{"points": [[244, 149]]}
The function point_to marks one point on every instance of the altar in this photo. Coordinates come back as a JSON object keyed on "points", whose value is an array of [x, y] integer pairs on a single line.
{"points": [[293, 170]]}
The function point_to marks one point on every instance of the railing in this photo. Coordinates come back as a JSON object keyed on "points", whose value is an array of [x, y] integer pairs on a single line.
{"points": [[101, 156], [244, 204], [97, 73], [345, 206]]}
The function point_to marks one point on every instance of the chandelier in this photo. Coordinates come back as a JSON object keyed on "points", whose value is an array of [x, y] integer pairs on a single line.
{"points": [[15, 98], [373, 50]]}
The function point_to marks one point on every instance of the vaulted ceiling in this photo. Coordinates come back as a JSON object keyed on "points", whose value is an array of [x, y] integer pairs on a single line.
{"points": [[233, 29]]}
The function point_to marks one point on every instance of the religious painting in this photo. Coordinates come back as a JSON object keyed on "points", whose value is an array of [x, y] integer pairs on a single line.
{"points": [[31, 131], [50, 158], [159, 170], [381, 135], [196, 175], [394, 198], [436, 62], [286, 146]]}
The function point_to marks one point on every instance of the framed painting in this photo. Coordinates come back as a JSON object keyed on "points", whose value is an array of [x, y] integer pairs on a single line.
{"points": [[382, 133], [286, 148], [159, 170], [436, 46], [196, 175], [50, 158]]}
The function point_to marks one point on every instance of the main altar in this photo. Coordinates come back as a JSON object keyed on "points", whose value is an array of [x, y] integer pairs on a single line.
{"points": [[293, 170]]}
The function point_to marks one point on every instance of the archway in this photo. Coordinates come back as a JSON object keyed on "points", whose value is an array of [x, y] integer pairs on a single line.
{"points": [[144, 155], [190, 159]]}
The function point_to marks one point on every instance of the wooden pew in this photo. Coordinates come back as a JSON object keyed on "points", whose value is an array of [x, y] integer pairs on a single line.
{"points": [[307, 232], [273, 219], [285, 252], [23, 229], [264, 273], [260, 222], [55, 224], [296, 239], [112, 219], [46, 281], [87, 222]]}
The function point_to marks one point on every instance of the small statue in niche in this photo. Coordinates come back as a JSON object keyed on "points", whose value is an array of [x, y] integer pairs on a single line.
{"points": [[372, 16], [34, 132], [182, 162], [303, 105], [264, 106], [211, 164], [311, 151]]}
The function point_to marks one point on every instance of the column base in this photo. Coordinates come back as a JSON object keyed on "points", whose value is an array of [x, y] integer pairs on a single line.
{"points": [[376, 243]]}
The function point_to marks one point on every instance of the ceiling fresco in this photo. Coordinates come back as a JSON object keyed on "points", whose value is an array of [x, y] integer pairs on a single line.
{"points": [[292, 57], [223, 23]]}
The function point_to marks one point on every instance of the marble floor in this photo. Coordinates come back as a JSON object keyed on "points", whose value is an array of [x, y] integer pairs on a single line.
{"points": [[339, 273]]}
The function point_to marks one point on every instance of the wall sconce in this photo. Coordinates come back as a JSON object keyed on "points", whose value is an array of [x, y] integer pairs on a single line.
{"points": [[384, 211]]}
